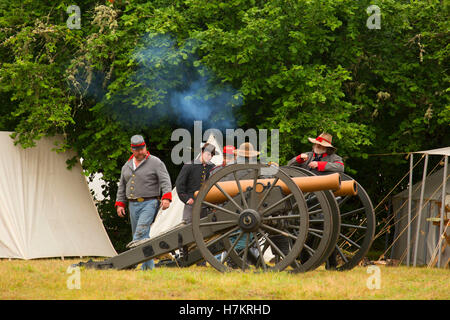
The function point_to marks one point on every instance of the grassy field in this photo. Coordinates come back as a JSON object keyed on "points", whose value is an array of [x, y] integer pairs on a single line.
{"points": [[47, 279]]}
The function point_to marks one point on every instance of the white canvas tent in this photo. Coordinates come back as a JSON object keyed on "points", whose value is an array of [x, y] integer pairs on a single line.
{"points": [[46, 210], [171, 217], [412, 223]]}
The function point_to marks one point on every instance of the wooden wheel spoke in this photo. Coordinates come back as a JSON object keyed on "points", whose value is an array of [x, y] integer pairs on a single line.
{"points": [[221, 237], [261, 256], [228, 196], [286, 234], [251, 243], [353, 226], [315, 212], [353, 212], [267, 193], [350, 241], [244, 258], [253, 192], [234, 214], [310, 250], [341, 254], [209, 224], [244, 201], [342, 201], [232, 247], [314, 206], [316, 235], [273, 245], [277, 203], [297, 216]]}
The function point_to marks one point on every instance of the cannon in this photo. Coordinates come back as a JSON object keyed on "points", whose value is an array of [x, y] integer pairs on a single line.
{"points": [[262, 217]]}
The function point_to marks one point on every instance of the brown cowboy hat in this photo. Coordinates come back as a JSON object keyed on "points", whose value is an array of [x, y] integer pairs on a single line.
{"points": [[324, 139], [246, 150]]}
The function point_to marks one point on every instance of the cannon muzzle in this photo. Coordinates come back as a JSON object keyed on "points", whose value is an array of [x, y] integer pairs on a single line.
{"points": [[348, 188]]}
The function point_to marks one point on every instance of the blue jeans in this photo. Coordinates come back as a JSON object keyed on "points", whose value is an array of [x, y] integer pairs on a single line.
{"points": [[141, 216]]}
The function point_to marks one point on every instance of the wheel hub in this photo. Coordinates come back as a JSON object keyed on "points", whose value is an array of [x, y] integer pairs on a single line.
{"points": [[249, 220]]}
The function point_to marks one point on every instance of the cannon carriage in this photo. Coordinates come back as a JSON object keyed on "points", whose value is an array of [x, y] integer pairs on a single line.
{"points": [[268, 218]]}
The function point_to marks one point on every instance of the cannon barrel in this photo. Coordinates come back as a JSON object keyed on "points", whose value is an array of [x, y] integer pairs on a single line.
{"points": [[306, 184]]}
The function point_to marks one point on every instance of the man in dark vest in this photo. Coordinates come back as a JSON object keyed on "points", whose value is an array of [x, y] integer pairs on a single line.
{"points": [[191, 178]]}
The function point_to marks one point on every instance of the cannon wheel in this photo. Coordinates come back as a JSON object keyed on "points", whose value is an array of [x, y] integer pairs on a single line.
{"points": [[357, 227], [251, 207], [324, 223]]}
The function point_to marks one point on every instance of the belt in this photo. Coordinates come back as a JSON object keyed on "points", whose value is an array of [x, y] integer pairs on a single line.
{"points": [[142, 199]]}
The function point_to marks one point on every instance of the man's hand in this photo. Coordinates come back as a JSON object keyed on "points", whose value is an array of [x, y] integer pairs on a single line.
{"points": [[313, 164], [304, 156], [165, 203], [120, 211], [190, 201]]}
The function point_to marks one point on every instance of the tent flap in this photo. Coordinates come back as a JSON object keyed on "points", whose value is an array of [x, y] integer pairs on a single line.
{"points": [[46, 210]]}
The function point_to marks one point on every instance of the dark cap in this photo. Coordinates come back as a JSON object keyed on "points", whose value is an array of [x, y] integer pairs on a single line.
{"points": [[210, 148], [137, 142]]}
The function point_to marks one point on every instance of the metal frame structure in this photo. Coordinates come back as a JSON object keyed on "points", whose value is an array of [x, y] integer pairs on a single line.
{"points": [[442, 152]]}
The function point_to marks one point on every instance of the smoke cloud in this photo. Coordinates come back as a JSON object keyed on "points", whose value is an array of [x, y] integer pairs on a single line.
{"points": [[185, 91]]}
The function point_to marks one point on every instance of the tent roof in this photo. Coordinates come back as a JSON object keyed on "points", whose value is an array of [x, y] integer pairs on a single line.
{"points": [[432, 183], [441, 151]]}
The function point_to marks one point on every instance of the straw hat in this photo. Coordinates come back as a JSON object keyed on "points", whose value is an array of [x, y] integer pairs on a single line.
{"points": [[324, 139], [246, 150]]}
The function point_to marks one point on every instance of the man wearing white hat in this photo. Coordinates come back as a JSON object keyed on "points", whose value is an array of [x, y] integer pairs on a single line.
{"points": [[142, 179], [322, 159]]}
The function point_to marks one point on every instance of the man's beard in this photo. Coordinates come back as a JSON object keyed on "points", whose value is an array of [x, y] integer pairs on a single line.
{"points": [[319, 150], [140, 157]]}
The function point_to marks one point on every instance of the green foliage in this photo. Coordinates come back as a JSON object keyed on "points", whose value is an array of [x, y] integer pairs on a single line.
{"points": [[299, 66]]}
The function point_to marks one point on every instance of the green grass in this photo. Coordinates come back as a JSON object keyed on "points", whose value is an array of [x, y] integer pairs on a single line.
{"points": [[47, 279]]}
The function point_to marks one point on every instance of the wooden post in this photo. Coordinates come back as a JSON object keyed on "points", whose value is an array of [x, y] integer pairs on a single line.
{"points": [[441, 226], [408, 245], [422, 191]]}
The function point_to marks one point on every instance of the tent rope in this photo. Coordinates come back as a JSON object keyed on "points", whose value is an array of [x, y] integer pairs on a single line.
{"points": [[388, 154], [392, 190], [415, 216], [436, 249], [365, 219], [386, 227]]}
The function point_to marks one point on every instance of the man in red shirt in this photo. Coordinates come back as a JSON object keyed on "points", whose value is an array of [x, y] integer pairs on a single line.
{"points": [[322, 159]]}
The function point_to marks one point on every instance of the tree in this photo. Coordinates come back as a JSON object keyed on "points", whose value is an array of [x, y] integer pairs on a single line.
{"points": [[299, 66]]}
